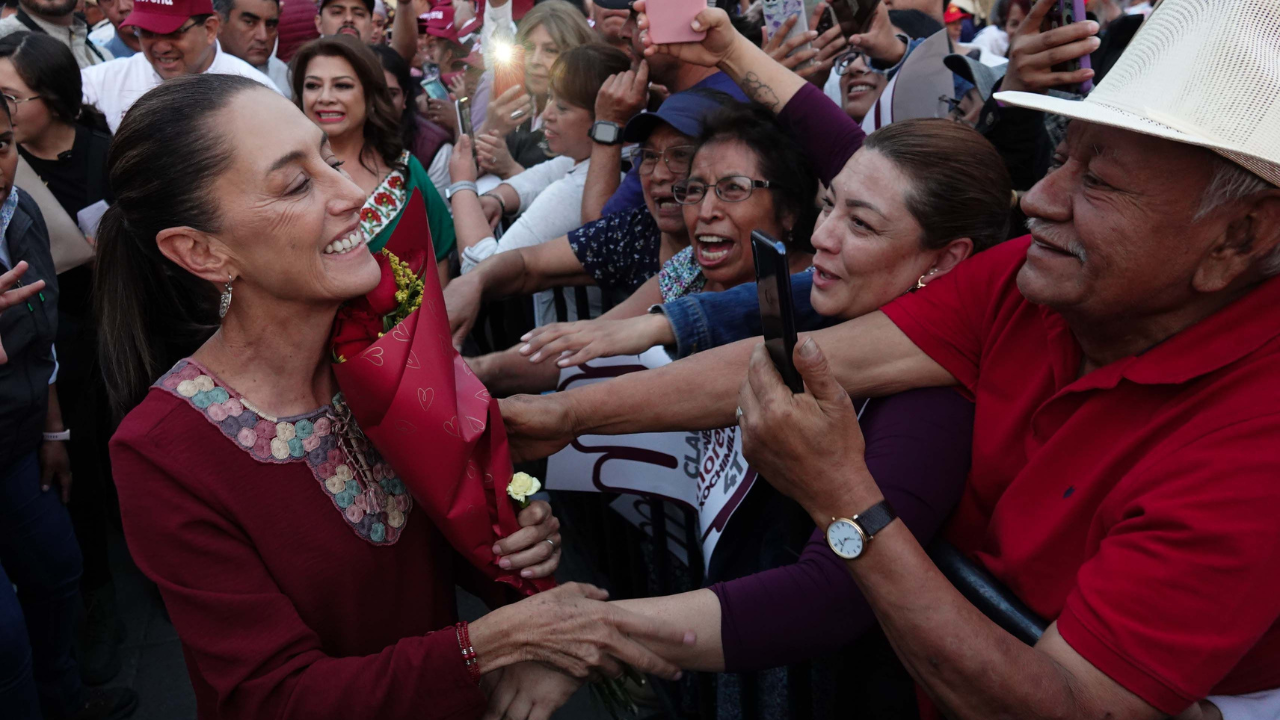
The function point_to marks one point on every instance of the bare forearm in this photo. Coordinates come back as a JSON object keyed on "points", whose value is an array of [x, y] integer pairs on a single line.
{"points": [[869, 355], [507, 372], [527, 270], [602, 180], [404, 32], [698, 610], [761, 77], [469, 222], [510, 198]]}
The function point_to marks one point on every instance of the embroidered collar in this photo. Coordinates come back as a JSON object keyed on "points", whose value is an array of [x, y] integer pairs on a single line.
{"points": [[386, 201], [372, 499]]}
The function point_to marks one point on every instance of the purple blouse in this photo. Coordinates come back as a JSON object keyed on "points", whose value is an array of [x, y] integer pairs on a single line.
{"points": [[918, 444], [828, 135]]}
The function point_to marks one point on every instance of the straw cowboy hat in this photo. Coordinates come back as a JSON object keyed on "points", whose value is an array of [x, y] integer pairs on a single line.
{"points": [[1202, 72]]}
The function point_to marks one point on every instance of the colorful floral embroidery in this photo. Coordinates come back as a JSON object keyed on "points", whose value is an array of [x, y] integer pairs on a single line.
{"points": [[375, 506], [385, 201]]}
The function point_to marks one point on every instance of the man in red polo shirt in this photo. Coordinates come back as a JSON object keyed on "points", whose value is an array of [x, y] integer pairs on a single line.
{"points": [[1125, 365]]}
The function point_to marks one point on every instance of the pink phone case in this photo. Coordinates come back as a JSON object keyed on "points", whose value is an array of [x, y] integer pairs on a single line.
{"points": [[669, 20]]}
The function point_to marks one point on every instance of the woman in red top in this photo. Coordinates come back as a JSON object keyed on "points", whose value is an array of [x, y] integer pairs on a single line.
{"points": [[294, 598]]}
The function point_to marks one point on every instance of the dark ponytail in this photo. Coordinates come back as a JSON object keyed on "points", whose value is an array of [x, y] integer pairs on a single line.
{"points": [[163, 163]]}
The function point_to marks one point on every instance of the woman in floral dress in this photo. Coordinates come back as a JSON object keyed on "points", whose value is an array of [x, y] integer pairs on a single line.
{"points": [[339, 84]]}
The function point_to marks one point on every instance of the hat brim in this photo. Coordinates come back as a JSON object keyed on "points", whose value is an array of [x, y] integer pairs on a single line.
{"points": [[154, 22], [1095, 112], [643, 125], [615, 4]]}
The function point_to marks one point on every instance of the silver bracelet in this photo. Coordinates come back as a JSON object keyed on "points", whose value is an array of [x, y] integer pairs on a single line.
{"points": [[459, 186]]}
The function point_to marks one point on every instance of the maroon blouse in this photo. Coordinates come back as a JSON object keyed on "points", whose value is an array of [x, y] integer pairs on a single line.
{"points": [[290, 600]]}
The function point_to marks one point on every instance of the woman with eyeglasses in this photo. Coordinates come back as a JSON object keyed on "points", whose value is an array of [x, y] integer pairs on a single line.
{"points": [[619, 252]]}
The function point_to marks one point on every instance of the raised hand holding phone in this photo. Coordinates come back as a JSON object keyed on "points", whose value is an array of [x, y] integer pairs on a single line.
{"points": [[1033, 52], [671, 21]]}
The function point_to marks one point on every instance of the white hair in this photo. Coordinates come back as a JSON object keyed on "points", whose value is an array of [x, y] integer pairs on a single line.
{"points": [[1231, 182]]}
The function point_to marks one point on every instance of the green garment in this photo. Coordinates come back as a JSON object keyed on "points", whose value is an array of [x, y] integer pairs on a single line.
{"points": [[439, 218]]}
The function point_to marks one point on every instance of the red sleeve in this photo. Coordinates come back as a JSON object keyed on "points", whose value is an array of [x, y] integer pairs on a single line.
{"points": [[1187, 580], [257, 654], [951, 318]]}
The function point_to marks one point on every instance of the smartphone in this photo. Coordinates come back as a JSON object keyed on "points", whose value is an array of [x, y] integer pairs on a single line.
{"points": [[435, 89], [508, 68], [669, 20], [462, 106], [776, 13], [777, 310], [827, 22], [1065, 12], [854, 16]]}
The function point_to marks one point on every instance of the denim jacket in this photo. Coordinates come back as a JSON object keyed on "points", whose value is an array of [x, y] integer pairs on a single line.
{"points": [[710, 319]]}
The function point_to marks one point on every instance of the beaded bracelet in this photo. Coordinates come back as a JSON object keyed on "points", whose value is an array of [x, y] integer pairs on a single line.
{"points": [[468, 652]]}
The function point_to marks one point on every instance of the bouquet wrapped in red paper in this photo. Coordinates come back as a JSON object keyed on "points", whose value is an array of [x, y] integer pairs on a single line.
{"points": [[421, 407]]}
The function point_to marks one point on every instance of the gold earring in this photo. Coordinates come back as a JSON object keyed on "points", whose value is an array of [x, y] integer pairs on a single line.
{"points": [[920, 283]]}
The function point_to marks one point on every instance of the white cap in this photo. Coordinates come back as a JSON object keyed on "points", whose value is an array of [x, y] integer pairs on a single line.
{"points": [[1202, 72]]}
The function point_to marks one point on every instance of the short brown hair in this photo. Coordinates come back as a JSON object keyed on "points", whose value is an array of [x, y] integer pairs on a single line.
{"points": [[578, 74], [959, 184], [381, 125]]}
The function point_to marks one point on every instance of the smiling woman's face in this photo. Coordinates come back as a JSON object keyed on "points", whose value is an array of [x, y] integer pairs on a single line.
{"points": [[867, 242], [290, 218], [332, 96]]}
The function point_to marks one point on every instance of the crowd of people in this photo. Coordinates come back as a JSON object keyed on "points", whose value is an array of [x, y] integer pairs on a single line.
{"points": [[1030, 472]]}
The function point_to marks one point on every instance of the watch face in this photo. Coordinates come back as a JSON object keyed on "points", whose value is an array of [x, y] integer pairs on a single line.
{"points": [[605, 132], [845, 539]]}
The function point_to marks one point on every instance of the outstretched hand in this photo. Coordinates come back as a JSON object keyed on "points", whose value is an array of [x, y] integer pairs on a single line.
{"points": [[1033, 53], [529, 691], [808, 445], [574, 343], [537, 425], [812, 63]]}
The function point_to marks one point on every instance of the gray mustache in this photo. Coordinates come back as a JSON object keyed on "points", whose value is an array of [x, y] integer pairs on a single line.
{"points": [[1054, 235]]}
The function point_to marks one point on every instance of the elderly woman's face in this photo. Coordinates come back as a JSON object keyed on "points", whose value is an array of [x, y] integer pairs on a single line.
{"points": [[867, 241], [720, 230], [290, 217]]}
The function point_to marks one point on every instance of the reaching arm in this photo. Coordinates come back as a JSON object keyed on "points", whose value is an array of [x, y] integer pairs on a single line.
{"points": [[761, 77], [620, 98], [404, 31], [699, 611]]}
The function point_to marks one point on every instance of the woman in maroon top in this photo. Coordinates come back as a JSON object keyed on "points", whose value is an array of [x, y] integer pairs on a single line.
{"points": [[292, 598]]}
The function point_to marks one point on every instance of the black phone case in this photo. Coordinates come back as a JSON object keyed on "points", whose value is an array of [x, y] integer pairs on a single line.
{"points": [[777, 308]]}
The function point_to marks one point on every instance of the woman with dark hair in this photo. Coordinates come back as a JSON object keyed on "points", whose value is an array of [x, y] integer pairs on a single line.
{"points": [[428, 142], [341, 86], [290, 602], [547, 195], [66, 169]]}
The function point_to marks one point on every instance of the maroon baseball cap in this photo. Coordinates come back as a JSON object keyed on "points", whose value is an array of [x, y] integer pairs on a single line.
{"points": [[439, 23], [164, 16]]}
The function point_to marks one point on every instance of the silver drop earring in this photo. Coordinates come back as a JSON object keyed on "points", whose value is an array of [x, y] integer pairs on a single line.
{"points": [[225, 305]]}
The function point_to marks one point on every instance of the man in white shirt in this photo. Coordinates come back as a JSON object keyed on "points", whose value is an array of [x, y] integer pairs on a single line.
{"points": [[179, 37], [56, 19], [249, 29]]}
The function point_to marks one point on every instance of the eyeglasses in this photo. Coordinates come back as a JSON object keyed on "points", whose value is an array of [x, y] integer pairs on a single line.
{"points": [[676, 158], [14, 102], [734, 188], [171, 37], [845, 60]]}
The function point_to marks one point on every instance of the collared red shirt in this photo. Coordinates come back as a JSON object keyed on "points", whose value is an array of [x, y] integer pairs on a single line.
{"points": [[76, 37], [1138, 505], [114, 87]]}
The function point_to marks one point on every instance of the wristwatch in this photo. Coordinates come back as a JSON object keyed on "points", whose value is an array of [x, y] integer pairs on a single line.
{"points": [[606, 133], [848, 537]]}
